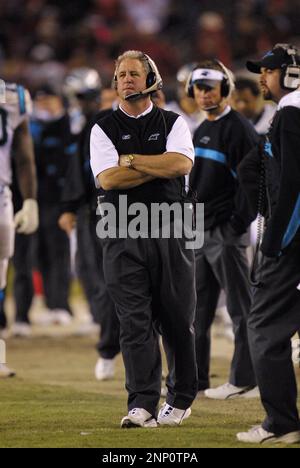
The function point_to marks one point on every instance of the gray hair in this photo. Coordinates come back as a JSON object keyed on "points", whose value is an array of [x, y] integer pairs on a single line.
{"points": [[136, 55]]}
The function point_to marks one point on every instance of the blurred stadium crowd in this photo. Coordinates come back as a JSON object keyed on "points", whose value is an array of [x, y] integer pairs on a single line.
{"points": [[40, 40]]}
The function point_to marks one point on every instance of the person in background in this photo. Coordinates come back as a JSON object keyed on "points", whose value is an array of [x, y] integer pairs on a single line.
{"points": [[53, 146], [78, 208], [221, 142], [247, 99], [15, 137]]}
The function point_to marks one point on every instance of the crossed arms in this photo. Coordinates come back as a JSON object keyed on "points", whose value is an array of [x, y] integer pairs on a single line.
{"points": [[144, 169]]}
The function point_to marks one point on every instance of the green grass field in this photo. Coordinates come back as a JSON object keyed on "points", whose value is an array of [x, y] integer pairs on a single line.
{"points": [[54, 401]]}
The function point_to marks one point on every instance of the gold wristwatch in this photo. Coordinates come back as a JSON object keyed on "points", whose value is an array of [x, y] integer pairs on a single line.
{"points": [[130, 158]]}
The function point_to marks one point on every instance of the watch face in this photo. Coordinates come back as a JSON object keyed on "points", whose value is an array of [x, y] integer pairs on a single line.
{"points": [[130, 159]]}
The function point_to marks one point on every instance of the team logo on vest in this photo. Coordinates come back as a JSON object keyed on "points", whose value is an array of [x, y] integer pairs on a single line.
{"points": [[205, 140], [126, 137], [153, 137]]}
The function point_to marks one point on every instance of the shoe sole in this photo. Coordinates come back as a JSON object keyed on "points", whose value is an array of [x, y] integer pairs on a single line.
{"points": [[232, 396], [244, 395], [127, 423], [290, 438], [229, 397]]}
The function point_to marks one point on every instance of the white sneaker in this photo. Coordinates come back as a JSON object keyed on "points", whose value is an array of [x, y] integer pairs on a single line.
{"points": [[44, 318], [21, 329], [258, 435], [61, 317], [227, 391], [170, 416], [105, 369], [138, 417], [53, 317], [6, 371]]}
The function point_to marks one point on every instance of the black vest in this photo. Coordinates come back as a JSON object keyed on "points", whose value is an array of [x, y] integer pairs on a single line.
{"points": [[146, 135]]}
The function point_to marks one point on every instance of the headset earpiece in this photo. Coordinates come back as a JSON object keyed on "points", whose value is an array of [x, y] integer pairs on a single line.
{"points": [[151, 78], [225, 88], [290, 73], [227, 84], [290, 77], [115, 81]]}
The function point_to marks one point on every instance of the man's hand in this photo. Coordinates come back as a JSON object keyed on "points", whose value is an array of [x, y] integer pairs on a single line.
{"points": [[67, 222], [27, 219]]}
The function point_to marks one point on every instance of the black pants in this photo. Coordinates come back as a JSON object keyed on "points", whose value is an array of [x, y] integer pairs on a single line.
{"points": [[23, 286], [274, 319], [153, 280], [222, 263], [90, 272], [53, 258], [22, 283]]}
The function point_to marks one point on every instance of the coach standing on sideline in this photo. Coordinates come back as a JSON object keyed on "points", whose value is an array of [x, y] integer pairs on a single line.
{"points": [[274, 316], [144, 152], [221, 142]]}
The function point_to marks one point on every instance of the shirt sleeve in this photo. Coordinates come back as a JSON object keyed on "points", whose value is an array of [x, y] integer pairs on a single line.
{"points": [[103, 153], [179, 139]]}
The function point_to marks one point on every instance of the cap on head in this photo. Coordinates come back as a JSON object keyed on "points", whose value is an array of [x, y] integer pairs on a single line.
{"points": [[283, 57], [209, 75], [280, 56]]}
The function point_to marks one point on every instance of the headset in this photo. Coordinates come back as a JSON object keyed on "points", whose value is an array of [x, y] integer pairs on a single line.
{"points": [[153, 80], [290, 73], [227, 83]]}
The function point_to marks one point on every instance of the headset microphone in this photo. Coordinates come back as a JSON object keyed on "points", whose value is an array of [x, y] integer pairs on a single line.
{"points": [[135, 96], [210, 108]]}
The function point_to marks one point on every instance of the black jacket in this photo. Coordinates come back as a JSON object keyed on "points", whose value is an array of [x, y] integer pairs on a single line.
{"points": [[53, 146], [220, 146], [281, 189], [79, 185]]}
